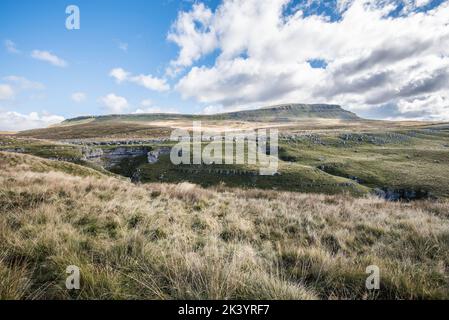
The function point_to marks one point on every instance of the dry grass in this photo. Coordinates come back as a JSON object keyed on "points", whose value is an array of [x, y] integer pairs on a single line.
{"points": [[162, 241]]}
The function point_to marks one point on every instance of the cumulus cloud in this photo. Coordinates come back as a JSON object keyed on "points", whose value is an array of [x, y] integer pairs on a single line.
{"points": [[150, 82], [193, 32], [213, 109], [146, 106], [15, 121], [119, 74], [24, 83], [6, 92], [375, 52], [426, 107], [11, 47], [16, 84], [147, 81], [156, 109], [114, 103], [48, 57], [78, 96]]}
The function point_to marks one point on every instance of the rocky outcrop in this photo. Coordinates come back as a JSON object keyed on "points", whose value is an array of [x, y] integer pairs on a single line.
{"points": [[153, 156], [89, 153], [114, 157], [115, 142], [391, 194], [377, 139], [109, 158], [17, 150]]}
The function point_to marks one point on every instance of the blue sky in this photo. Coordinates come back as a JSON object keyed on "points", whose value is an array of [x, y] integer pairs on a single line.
{"points": [[184, 56], [90, 52]]}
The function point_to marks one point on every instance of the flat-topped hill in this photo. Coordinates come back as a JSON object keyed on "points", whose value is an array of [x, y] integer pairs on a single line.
{"points": [[284, 112]]}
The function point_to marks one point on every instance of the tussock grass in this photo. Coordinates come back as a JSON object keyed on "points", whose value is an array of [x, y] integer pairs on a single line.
{"points": [[180, 241]]}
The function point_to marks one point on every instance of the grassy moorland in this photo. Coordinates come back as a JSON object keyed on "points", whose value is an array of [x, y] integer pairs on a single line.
{"points": [[164, 241], [89, 129], [225, 232], [410, 159], [413, 161]]}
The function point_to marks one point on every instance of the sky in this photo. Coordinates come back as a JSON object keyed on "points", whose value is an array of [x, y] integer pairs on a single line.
{"points": [[383, 59]]}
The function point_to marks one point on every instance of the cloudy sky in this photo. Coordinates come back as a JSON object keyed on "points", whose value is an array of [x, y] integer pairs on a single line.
{"points": [[384, 59]]}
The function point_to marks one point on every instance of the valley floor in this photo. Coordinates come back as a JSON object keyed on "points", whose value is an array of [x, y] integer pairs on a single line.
{"points": [[181, 241]]}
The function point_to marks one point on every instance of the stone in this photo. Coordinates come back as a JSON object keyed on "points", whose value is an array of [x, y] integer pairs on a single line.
{"points": [[153, 156]]}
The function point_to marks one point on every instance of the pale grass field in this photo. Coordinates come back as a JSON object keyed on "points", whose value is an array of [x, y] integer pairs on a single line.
{"points": [[142, 129], [165, 241]]}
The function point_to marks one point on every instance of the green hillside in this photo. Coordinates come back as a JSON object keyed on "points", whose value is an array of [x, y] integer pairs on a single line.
{"points": [[285, 112]]}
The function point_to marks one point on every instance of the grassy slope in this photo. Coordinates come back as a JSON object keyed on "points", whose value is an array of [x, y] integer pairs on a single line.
{"points": [[285, 112], [399, 158], [162, 241], [403, 156], [47, 149], [293, 177], [139, 125], [100, 129], [415, 160]]}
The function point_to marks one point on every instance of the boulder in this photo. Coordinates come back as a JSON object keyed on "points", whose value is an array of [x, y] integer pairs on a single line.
{"points": [[153, 156]]}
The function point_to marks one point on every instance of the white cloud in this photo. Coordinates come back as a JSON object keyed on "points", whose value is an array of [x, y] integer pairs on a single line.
{"points": [[24, 83], [212, 109], [14, 121], [156, 110], [78, 96], [425, 107], [193, 32], [150, 82], [114, 103], [421, 3], [119, 74], [147, 81], [6, 92], [17, 84], [11, 47], [48, 57], [146, 106], [264, 53]]}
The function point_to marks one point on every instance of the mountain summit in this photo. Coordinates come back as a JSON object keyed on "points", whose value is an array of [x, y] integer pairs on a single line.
{"points": [[289, 112]]}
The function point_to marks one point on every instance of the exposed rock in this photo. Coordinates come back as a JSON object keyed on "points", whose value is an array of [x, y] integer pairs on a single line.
{"points": [[89, 154], [374, 138], [153, 156], [115, 142], [391, 194], [112, 157], [17, 150]]}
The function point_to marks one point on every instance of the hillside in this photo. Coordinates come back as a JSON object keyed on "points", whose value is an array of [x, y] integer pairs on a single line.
{"points": [[289, 112], [286, 112], [159, 125], [395, 160], [180, 241]]}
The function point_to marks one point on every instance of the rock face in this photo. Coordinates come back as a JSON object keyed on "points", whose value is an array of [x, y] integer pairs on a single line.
{"points": [[90, 154], [153, 156], [115, 156], [402, 194], [114, 142], [109, 158], [17, 150]]}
